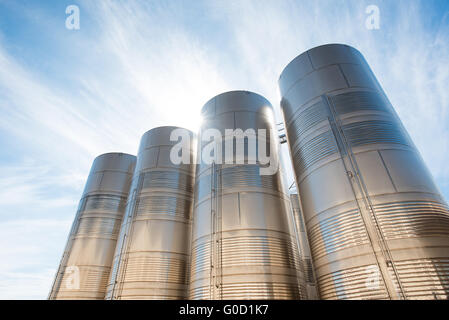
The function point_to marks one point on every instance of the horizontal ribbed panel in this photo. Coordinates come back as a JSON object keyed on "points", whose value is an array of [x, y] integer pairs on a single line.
{"points": [[98, 226], [162, 204], [338, 232], [352, 283], [155, 296], [258, 250], [360, 101], [424, 278], [248, 176], [156, 269], [91, 279], [266, 290], [368, 132], [202, 187], [248, 250], [168, 179], [250, 290], [413, 219], [105, 203], [314, 150], [306, 119], [237, 177], [199, 293], [201, 257]]}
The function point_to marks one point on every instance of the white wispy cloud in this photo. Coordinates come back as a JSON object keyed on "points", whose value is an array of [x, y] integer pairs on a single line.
{"points": [[28, 183], [27, 270], [163, 67]]}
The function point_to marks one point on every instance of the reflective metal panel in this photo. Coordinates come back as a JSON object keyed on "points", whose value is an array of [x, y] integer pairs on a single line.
{"points": [[243, 240], [304, 250], [86, 263], [377, 225], [152, 255]]}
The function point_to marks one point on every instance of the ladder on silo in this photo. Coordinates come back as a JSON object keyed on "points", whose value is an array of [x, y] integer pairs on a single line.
{"points": [[216, 249], [379, 245]]}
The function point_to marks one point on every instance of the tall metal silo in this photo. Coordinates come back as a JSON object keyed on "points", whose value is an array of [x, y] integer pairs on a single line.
{"points": [[243, 238], [86, 263], [377, 224], [306, 258], [152, 255]]}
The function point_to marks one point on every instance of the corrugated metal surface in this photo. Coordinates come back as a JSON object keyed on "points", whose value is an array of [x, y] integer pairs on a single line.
{"points": [[314, 150], [244, 244], [378, 226], [152, 256], [86, 263]]}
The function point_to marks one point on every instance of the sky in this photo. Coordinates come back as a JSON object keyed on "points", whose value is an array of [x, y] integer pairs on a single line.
{"points": [[67, 96]]}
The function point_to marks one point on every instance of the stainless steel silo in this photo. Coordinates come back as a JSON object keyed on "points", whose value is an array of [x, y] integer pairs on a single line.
{"points": [[152, 255], [86, 263], [304, 250], [243, 239], [377, 225]]}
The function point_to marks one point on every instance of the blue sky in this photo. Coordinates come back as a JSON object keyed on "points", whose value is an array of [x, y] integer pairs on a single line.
{"points": [[67, 96]]}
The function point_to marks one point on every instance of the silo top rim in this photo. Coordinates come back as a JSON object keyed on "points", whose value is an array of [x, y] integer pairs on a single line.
{"points": [[307, 51], [114, 154], [163, 128], [233, 92]]}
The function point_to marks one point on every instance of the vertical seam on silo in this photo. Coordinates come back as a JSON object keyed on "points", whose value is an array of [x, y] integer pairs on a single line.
{"points": [[240, 220], [310, 60], [343, 74], [388, 171], [101, 179], [157, 158]]}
